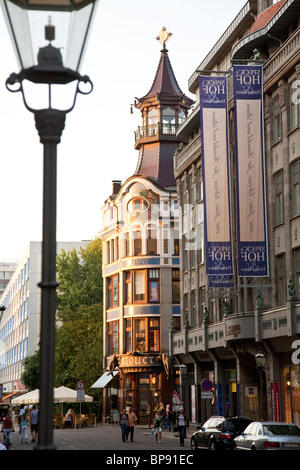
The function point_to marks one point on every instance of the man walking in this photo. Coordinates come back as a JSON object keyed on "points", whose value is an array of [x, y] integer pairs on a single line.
{"points": [[34, 419], [131, 421]]}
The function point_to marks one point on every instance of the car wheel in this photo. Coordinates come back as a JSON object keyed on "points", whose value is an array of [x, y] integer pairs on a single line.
{"points": [[193, 444], [212, 445]]}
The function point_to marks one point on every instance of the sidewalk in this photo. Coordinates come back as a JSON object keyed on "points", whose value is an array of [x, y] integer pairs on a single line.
{"points": [[171, 435]]}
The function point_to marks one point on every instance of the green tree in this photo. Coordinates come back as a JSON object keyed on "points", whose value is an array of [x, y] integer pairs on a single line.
{"points": [[79, 348], [79, 311], [30, 376]]}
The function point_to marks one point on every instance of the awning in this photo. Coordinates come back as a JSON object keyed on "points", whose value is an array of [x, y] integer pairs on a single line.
{"points": [[104, 379]]}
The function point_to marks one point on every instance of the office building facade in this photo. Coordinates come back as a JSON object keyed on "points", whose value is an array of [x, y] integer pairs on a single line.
{"points": [[228, 326]]}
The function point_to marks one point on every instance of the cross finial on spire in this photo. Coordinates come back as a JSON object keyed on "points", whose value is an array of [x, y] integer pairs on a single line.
{"points": [[163, 37]]}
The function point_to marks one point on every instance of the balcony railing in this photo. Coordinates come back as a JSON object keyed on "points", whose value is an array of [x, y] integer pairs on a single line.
{"points": [[155, 130]]}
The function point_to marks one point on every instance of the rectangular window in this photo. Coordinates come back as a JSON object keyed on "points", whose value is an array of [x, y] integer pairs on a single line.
{"points": [[276, 120], [153, 285], [113, 338], [128, 334], [295, 173], [281, 279], [128, 287], [278, 182], [154, 332], [139, 294], [140, 335], [199, 184], [152, 242], [193, 308], [113, 291], [137, 243], [175, 286]]}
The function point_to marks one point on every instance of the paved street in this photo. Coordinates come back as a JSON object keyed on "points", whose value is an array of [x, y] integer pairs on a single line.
{"points": [[108, 437]]}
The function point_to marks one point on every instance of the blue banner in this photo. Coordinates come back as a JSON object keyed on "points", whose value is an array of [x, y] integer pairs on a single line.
{"points": [[215, 170], [250, 172]]}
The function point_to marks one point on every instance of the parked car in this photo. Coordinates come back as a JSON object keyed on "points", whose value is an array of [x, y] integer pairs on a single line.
{"points": [[269, 436], [218, 433], [3, 410]]}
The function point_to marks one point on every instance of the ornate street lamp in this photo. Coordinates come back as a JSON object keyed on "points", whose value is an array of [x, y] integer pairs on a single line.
{"points": [[182, 374], [260, 360], [25, 20]]}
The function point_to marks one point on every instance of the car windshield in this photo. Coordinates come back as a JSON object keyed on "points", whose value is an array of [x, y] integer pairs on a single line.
{"points": [[280, 430], [236, 424]]}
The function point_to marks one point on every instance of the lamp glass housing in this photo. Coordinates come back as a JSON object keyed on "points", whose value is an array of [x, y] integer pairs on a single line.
{"points": [[260, 360], [26, 20]]}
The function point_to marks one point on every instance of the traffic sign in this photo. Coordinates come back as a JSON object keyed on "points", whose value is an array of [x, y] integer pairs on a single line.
{"points": [[206, 385], [80, 386], [176, 399]]}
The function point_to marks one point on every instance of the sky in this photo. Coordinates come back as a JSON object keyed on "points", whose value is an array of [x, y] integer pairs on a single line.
{"points": [[97, 144]]}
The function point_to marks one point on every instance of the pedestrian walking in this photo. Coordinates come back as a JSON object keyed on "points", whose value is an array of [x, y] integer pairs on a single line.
{"points": [[168, 418], [24, 428], [8, 427], [158, 424], [69, 418], [34, 420], [115, 417], [181, 426], [132, 421], [123, 422]]}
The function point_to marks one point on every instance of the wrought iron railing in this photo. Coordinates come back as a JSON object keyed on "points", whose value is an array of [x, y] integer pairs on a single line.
{"points": [[153, 130]]}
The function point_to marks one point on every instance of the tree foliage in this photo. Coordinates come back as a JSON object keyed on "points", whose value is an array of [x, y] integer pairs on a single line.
{"points": [[78, 354], [79, 310], [30, 376]]}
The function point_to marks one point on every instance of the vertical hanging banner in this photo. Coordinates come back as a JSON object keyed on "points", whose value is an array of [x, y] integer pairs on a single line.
{"points": [[249, 146], [215, 169]]}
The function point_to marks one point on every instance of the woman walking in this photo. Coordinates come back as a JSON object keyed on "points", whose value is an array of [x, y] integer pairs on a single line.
{"points": [[158, 423], [123, 421], [181, 426]]}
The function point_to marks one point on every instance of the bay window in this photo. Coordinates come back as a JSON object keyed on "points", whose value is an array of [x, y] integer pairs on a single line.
{"points": [[142, 334], [141, 286]]}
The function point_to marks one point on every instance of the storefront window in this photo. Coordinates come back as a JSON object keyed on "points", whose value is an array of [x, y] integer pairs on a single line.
{"points": [[291, 394]]}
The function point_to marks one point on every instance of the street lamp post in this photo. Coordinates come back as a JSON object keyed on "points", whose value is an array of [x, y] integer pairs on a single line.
{"points": [[49, 70], [182, 373], [260, 360]]}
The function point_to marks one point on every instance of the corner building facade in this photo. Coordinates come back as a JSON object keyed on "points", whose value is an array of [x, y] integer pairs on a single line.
{"points": [[227, 327], [141, 258]]}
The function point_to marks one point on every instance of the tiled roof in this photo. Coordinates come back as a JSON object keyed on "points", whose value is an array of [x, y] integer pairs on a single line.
{"points": [[164, 82], [156, 161], [263, 19]]}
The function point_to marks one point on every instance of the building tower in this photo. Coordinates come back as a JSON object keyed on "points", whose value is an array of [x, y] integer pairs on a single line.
{"points": [[141, 256]]}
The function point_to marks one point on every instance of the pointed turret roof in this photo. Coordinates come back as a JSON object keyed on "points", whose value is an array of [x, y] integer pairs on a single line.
{"points": [[157, 145], [164, 83]]}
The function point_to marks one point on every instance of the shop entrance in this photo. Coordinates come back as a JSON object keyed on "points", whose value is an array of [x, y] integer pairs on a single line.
{"points": [[143, 394]]}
